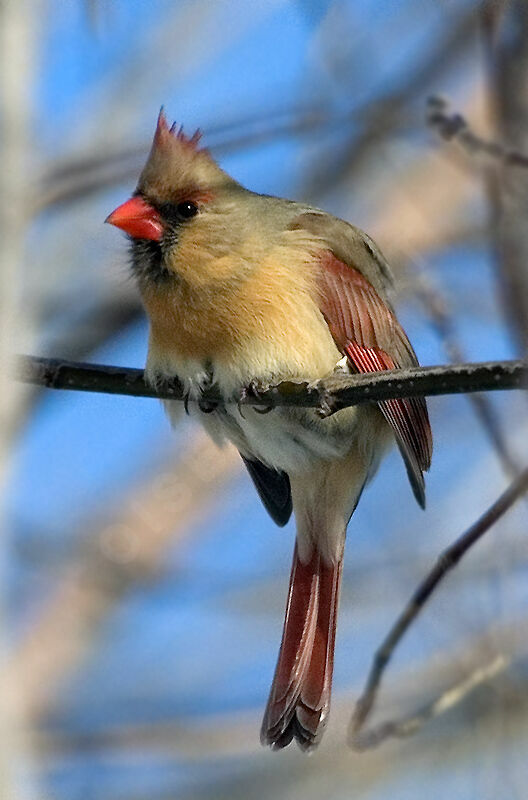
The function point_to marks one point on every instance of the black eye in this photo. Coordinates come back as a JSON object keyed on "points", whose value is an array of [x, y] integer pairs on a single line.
{"points": [[186, 210]]}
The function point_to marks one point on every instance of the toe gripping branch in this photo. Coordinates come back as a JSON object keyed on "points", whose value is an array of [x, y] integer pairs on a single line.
{"points": [[254, 391]]}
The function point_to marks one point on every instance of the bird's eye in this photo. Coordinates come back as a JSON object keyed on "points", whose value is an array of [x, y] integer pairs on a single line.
{"points": [[186, 210]]}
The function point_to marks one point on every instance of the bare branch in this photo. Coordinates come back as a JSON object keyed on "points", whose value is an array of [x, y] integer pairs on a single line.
{"points": [[445, 563], [506, 46], [328, 396], [409, 725], [442, 323], [232, 733], [453, 127]]}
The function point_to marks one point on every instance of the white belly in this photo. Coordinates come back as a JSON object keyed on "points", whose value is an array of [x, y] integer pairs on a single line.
{"points": [[288, 439]]}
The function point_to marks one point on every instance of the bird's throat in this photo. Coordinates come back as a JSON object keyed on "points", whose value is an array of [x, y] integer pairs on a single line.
{"points": [[147, 263]]}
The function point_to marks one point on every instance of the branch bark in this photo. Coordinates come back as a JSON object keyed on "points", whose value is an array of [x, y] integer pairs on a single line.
{"points": [[328, 396], [437, 308], [410, 725], [445, 563]]}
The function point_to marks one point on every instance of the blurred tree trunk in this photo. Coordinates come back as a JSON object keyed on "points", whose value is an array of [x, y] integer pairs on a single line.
{"points": [[18, 22], [506, 33]]}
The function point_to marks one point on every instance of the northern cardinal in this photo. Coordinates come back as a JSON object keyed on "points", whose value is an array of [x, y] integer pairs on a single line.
{"points": [[242, 290]]}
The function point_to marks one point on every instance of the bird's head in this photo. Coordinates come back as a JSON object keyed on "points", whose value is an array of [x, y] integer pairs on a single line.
{"points": [[181, 197]]}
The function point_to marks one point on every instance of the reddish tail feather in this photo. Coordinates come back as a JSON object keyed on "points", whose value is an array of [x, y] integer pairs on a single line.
{"points": [[299, 700]]}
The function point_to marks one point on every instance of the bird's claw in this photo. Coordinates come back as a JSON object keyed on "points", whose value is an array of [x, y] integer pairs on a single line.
{"points": [[207, 406], [327, 405], [254, 391]]}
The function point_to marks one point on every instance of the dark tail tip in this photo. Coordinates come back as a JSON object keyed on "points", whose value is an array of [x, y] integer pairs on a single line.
{"points": [[279, 737]]}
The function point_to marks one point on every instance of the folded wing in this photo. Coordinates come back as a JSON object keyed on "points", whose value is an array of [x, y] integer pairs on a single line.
{"points": [[366, 330]]}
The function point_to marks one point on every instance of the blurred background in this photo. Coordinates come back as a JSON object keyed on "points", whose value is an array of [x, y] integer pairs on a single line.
{"points": [[143, 583]]}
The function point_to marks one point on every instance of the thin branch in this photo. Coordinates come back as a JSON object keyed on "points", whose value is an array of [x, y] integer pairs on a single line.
{"points": [[453, 127], [445, 563], [329, 396], [411, 724], [442, 323], [232, 733]]}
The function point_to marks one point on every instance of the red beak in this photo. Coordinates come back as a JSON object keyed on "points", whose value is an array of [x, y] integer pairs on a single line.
{"points": [[137, 218]]}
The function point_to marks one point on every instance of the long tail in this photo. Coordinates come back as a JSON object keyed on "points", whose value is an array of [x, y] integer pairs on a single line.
{"points": [[299, 700]]}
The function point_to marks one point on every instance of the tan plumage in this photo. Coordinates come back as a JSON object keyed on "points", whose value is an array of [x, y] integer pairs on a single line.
{"points": [[241, 289], [224, 307]]}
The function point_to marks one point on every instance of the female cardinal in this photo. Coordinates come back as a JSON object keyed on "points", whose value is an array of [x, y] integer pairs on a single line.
{"points": [[242, 290]]}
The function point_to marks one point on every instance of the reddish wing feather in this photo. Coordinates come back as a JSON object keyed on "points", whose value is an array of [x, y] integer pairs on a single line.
{"points": [[366, 330]]}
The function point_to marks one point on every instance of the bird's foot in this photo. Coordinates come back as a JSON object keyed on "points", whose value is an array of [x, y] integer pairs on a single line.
{"points": [[207, 406], [327, 405], [254, 391], [194, 393]]}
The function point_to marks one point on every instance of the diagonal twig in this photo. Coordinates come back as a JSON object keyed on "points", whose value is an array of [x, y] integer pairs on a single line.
{"points": [[411, 724], [454, 127], [445, 563], [442, 323]]}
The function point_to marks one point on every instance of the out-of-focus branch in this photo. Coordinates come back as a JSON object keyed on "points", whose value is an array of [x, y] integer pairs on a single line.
{"points": [[411, 724], [423, 204], [93, 325], [445, 563], [440, 318], [233, 733], [329, 395], [378, 120], [453, 127], [128, 548], [75, 179], [506, 40]]}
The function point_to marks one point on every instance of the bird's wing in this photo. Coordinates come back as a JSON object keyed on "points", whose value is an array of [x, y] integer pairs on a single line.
{"points": [[366, 330], [274, 489]]}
